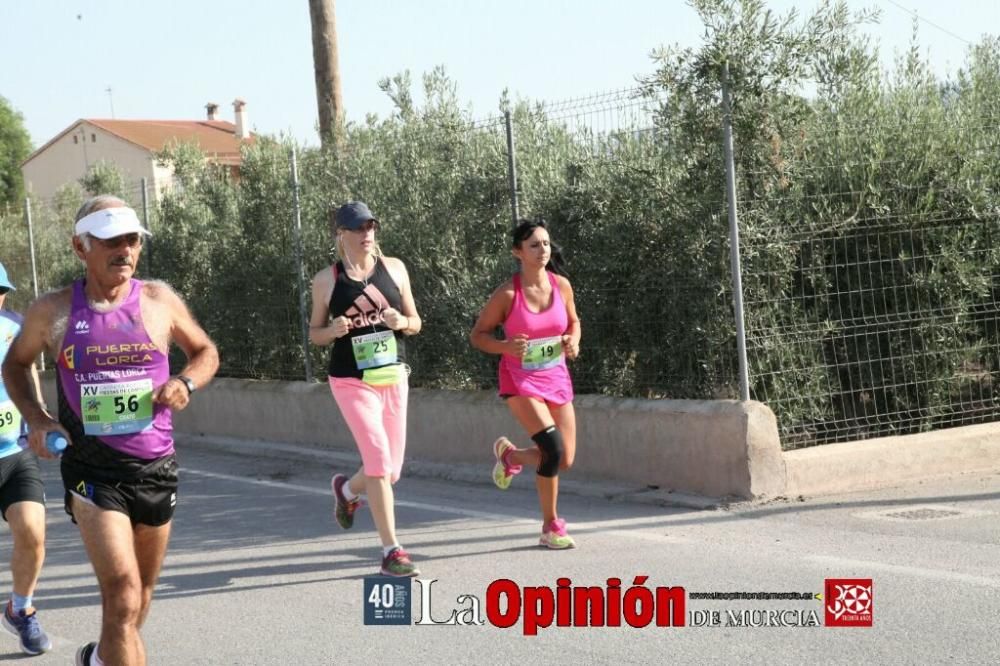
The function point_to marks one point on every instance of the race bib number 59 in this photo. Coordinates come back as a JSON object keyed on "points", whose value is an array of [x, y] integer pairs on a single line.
{"points": [[10, 422]]}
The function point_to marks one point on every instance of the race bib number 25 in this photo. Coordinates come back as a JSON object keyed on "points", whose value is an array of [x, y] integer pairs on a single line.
{"points": [[374, 350]]}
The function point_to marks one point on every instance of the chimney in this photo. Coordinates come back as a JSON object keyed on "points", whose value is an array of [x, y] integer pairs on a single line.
{"points": [[212, 109], [242, 126]]}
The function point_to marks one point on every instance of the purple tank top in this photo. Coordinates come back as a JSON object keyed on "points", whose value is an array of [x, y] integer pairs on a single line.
{"points": [[108, 369]]}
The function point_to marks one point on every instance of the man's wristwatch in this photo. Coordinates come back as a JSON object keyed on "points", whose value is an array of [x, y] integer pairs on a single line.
{"points": [[188, 383]]}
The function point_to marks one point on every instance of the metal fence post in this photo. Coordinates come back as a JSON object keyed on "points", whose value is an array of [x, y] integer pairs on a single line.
{"points": [[511, 168], [734, 235], [34, 267], [300, 269], [145, 222]]}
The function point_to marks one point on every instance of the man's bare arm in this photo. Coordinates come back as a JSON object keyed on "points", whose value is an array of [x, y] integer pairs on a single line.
{"points": [[202, 355], [37, 384], [19, 375]]}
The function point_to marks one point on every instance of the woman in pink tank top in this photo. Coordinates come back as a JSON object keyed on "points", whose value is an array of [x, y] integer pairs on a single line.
{"points": [[541, 330]]}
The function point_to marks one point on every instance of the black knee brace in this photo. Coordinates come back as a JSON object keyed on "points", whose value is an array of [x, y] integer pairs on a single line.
{"points": [[551, 445]]}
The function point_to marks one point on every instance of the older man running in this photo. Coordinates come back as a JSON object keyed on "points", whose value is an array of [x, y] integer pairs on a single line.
{"points": [[110, 335]]}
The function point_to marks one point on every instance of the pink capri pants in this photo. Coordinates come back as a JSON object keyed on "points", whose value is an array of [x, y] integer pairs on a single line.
{"points": [[376, 416]]}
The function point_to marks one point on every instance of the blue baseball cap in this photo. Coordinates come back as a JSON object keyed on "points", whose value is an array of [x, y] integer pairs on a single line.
{"points": [[353, 215], [4, 280]]}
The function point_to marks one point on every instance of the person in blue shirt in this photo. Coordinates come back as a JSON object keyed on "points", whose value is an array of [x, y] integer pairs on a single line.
{"points": [[22, 499]]}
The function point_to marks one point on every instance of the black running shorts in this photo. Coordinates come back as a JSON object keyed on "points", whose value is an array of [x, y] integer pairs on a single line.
{"points": [[146, 495], [20, 480]]}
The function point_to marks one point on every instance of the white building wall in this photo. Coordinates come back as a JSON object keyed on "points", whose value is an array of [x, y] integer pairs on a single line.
{"points": [[66, 161]]}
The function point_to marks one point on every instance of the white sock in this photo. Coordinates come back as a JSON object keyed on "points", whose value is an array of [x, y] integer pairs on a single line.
{"points": [[348, 494], [18, 603], [388, 549], [94, 659]]}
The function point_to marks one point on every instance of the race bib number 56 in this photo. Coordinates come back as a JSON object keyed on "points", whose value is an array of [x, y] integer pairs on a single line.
{"points": [[118, 408]]}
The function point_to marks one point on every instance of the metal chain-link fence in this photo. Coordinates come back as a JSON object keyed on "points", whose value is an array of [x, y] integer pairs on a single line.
{"points": [[868, 250]]}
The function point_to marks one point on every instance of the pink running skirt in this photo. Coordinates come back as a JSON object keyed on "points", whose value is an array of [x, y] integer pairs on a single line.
{"points": [[552, 385]]}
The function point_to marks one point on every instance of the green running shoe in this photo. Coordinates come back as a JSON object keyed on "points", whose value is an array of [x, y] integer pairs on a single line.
{"points": [[503, 473], [554, 536]]}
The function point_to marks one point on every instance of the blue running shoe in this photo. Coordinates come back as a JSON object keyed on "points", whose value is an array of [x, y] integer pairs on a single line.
{"points": [[25, 626]]}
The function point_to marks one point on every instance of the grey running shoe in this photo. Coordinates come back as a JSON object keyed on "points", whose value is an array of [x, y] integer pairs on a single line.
{"points": [[25, 626]]}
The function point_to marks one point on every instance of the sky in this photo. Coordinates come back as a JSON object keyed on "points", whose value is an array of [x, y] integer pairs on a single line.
{"points": [[166, 60]]}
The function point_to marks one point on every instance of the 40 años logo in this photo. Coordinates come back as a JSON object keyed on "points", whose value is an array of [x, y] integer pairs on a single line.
{"points": [[565, 605]]}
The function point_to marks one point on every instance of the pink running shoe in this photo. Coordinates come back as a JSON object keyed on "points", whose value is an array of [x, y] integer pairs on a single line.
{"points": [[503, 473], [554, 536], [343, 509]]}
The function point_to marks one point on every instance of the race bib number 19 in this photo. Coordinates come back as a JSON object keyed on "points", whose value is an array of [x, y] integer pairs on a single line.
{"points": [[10, 422], [118, 408], [542, 353], [374, 350]]}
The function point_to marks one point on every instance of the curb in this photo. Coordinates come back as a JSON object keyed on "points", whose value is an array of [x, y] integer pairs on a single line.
{"points": [[476, 475], [888, 462]]}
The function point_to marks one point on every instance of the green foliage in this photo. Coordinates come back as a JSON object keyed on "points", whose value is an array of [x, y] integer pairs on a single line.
{"points": [[766, 61], [869, 206], [104, 177], [52, 227], [15, 146], [866, 211]]}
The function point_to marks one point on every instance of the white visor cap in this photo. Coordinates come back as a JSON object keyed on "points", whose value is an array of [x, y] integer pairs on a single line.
{"points": [[111, 222]]}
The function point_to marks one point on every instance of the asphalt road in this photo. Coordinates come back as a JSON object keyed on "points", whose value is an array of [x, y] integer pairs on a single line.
{"points": [[258, 573]]}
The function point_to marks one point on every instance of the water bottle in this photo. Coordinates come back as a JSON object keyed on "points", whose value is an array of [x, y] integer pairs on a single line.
{"points": [[55, 442]]}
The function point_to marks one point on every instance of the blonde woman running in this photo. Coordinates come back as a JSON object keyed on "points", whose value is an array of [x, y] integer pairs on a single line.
{"points": [[363, 307]]}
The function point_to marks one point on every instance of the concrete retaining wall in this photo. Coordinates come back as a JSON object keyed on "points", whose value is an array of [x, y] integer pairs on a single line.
{"points": [[697, 447], [721, 448], [891, 461]]}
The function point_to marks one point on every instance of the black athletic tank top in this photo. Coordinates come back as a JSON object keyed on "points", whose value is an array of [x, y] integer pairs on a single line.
{"points": [[363, 305]]}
